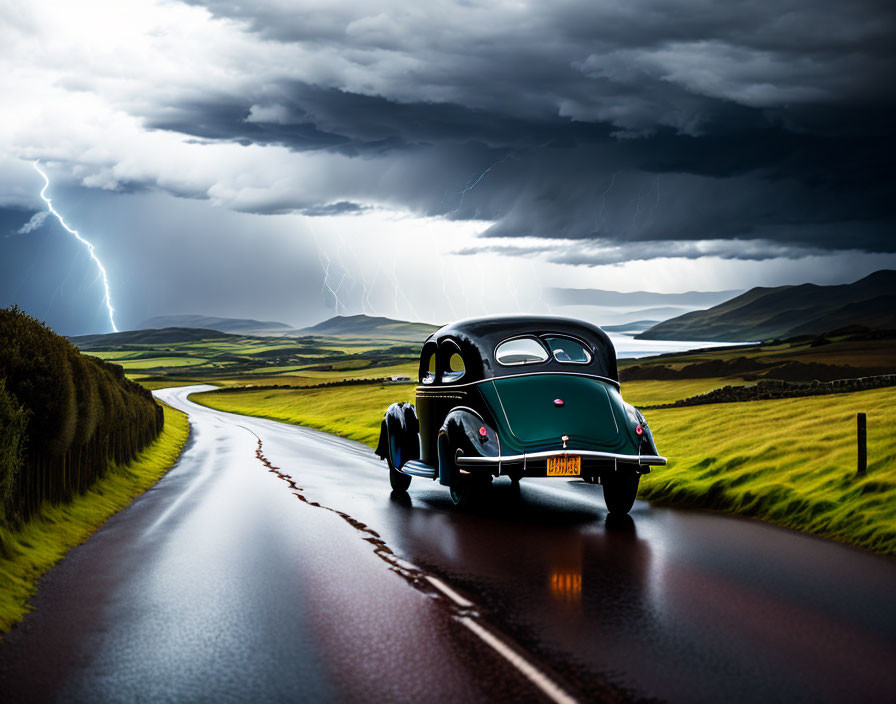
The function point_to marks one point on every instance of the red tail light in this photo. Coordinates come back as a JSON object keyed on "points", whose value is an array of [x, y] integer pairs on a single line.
{"points": [[639, 430], [483, 433]]}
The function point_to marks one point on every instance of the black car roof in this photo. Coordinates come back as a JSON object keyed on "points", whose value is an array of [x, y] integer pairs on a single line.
{"points": [[478, 338]]}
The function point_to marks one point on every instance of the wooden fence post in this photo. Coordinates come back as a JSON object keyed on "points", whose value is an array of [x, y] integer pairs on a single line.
{"points": [[861, 437]]}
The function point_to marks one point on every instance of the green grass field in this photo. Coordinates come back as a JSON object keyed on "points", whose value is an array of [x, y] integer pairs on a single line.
{"points": [[159, 362], [241, 360], [28, 553], [789, 461], [654, 393], [354, 412]]}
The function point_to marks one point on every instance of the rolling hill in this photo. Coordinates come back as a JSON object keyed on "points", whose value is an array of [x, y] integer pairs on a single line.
{"points": [[241, 326], [164, 336], [788, 311], [366, 327]]}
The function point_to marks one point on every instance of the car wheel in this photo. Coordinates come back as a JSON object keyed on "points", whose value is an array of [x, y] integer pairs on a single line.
{"points": [[620, 489], [399, 481]]}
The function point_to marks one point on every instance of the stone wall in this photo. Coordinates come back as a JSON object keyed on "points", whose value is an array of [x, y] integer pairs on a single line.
{"points": [[772, 389]]}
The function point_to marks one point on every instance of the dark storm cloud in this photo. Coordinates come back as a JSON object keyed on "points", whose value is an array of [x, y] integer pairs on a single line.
{"points": [[642, 121], [307, 117], [343, 207]]}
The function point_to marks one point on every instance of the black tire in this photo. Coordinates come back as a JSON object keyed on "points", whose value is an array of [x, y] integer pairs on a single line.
{"points": [[400, 482], [466, 488], [460, 488], [620, 490], [460, 491]]}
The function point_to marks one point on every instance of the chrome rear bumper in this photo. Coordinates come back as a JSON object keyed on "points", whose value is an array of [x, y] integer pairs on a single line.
{"points": [[650, 460]]}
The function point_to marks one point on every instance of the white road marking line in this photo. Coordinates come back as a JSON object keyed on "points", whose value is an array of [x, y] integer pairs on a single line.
{"points": [[449, 592], [538, 678]]}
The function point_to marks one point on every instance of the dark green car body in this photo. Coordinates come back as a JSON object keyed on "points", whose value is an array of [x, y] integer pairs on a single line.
{"points": [[592, 415]]}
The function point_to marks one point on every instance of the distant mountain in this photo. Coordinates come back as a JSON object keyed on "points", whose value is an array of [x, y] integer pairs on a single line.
{"points": [[633, 326], [241, 326], [787, 311], [146, 337], [636, 299], [366, 326]]}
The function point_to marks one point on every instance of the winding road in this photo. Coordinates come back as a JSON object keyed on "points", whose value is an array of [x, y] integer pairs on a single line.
{"points": [[273, 564]]}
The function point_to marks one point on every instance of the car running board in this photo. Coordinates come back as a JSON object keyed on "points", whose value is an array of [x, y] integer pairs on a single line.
{"points": [[416, 468]]}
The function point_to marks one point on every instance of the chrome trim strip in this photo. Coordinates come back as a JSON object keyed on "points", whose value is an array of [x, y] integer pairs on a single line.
{"points": [[640, 459], [420, 387]]}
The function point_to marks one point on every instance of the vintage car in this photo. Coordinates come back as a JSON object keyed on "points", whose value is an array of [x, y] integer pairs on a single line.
{"points": [[518, 397]]}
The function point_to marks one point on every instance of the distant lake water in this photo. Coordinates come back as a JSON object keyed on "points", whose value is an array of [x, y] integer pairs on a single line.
{"points": [[628, 346]]}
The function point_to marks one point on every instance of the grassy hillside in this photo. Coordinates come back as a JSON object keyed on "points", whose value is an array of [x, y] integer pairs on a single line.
{"points": [[27, 553], [786, 311], [789, 461], [353, 412], [180, 356], [131, 339]]}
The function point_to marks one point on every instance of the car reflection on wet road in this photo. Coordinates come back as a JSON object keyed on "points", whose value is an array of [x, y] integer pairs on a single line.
{"points": [[335, 592]]}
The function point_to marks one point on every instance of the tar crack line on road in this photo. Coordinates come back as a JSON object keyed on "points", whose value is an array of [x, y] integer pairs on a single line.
{"points": [[461, 609]]}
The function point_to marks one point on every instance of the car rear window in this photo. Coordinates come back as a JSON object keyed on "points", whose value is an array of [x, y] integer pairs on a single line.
{"points": [[567, 350], [521, 350]]}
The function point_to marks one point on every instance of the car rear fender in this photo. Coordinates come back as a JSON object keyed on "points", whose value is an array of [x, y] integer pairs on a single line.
{"points": [[461, 434], [635, 419]]}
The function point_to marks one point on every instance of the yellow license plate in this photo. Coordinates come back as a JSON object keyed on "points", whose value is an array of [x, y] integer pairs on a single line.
{"points": [[566, 466]]}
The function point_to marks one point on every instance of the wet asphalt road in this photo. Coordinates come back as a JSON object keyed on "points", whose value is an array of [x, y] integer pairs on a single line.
{"points": [[231, 582]]}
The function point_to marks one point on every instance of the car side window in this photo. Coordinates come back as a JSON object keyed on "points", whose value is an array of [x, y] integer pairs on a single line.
{"points": [[520, 350], [428, 366], [451, 362], [567, 350], [455, 368]]}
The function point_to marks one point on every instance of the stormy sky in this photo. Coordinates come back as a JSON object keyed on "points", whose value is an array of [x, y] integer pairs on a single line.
{"points": [[290, 160]]}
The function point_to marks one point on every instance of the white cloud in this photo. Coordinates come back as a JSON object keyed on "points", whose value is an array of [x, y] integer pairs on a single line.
{"points": [[272, 114]]}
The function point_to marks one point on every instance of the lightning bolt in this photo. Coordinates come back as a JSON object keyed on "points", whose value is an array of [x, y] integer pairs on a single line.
{"points": [[475, 180], [367, 286], [90, 248], [325, 264], [603, 197]]}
